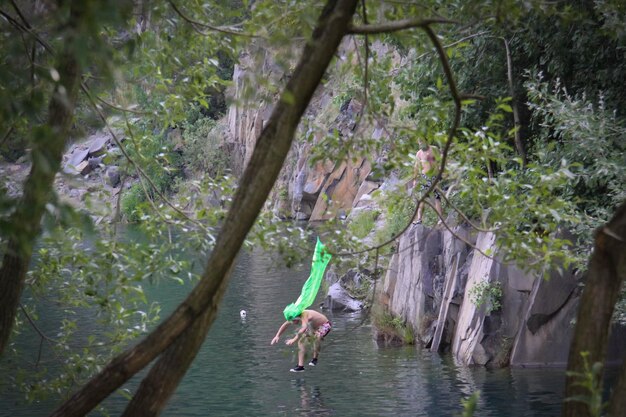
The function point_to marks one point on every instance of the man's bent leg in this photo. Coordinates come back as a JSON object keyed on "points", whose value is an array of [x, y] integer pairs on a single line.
{"points": [[316, 350], [418, 215]]}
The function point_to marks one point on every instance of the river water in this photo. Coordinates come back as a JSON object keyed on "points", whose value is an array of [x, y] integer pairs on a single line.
{"points": [[238, 373]]}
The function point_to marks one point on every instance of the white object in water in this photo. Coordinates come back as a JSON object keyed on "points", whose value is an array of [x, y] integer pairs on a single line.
{"points": [[243, 314]]}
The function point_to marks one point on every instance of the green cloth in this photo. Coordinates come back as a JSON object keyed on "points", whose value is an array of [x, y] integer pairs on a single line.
{"points": [[312, 284]]}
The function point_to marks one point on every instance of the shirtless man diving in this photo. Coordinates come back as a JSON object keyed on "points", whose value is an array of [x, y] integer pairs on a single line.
{"points": [[312, 324]]}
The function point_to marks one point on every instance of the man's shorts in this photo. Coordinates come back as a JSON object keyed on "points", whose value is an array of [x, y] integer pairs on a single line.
{"points": [[323, 330], [426, 183]]}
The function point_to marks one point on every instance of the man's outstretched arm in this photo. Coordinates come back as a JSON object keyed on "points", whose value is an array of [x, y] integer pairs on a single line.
{"points": [[281, 330]]}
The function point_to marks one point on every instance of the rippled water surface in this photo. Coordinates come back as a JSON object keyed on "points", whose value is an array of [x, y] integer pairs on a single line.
{"points": [[238, 373]]}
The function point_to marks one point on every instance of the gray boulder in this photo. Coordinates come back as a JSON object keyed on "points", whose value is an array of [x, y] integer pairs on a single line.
{"points": [[98, 145], [77, 156], [338, 299], [113, 176]]}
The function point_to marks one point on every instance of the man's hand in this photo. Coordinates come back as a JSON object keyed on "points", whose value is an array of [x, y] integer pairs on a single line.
{"points": [[274, 340], [291, 341]]}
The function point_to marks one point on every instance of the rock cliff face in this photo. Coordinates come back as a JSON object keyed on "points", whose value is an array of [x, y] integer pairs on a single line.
{"points": [[433, 284], [304, 192]]}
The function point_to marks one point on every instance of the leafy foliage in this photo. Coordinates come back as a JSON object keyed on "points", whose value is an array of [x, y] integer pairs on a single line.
{"points": [[161, 165], [488, 294], [203, 150], [589, 379], [363, 223], [389, 324], [470, 404], [587, 134], [100, 284]]}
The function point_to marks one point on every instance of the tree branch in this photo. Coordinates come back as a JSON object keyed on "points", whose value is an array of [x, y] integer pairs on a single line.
{"points": [[397, 26], [120, 108], [41, 334], [519, 145], [196, 24], [20, 14], [450, 45], [47, 153], [461, 238], [24, 29], [463, 216], [367, 56], [6, 135]]}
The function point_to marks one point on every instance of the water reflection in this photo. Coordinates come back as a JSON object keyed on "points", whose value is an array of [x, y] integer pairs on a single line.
{"points": [[311, 401]]}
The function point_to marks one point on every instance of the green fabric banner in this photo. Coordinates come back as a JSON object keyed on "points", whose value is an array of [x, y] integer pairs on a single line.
{"points": [[312, 284]]}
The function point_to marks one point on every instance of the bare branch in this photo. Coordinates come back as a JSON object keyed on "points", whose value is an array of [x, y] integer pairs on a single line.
{"points": [[196, 24], [6, 135], [397, 26], [367, 56], [519, 145], [35, 327], [28, 30], [461, 238], [612, 234], [120, 108], [450, 45], [463, 216]]}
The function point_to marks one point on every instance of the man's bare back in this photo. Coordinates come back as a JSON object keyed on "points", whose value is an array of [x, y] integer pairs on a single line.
{"points": [[313, 317]]}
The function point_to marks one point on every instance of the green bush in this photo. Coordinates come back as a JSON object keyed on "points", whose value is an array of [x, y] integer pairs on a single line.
{"points": [[387, 323], [363, 223], [399, 209], [159, 162], [203, 150], [133, 203], [489, 293]]}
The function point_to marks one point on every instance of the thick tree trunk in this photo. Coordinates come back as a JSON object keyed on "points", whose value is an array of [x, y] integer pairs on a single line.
{"points": [[46, 154], [257, 181], [157, 387], [607, 269]]}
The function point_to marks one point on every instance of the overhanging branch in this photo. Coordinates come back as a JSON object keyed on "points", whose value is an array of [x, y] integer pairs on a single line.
{"points": [[197, 24], [389, 27]]}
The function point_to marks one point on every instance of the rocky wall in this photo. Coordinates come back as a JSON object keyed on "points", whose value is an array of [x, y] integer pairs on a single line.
{"points": [[303, 191], [430, 286]]}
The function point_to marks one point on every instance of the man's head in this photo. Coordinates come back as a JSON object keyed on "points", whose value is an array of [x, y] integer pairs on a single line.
{"points": [[423, 145], [291, 312]]}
